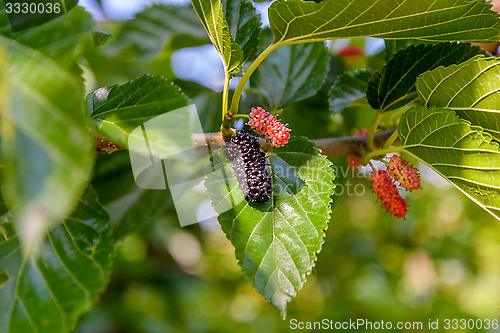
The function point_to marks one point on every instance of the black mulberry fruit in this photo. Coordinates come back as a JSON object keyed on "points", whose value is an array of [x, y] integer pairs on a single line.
{"points": [[249, 164]]}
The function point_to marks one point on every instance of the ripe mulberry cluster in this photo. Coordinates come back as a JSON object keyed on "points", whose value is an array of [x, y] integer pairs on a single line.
{"points": [[404, 173], [249, 162], [388, 193], [268, 125]]}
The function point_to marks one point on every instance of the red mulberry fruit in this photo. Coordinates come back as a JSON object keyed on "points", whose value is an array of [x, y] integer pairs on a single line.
{"points": [[257, 120], [388, 194], [249, 164], [268, 125], [404, 173]]}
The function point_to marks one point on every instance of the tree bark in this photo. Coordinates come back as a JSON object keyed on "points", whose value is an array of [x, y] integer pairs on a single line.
{"points": [[330, 146]]}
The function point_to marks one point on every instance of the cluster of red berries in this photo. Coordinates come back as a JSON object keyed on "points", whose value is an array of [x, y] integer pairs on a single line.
{"points": [[388, 193], [404, 173], [268, 125], [386, 190], [354, 161]]}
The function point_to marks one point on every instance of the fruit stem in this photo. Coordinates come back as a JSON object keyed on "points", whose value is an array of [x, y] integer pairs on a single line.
{"points": [[225, 128], [371, 164], [241, 85], [378, 118], [381, 152], [241, 116], [394, 136], [225, 95], [389, 117], [398, 115]]}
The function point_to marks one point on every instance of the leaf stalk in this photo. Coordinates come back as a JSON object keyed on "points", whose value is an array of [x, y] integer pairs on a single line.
{"points": [[241, 85], [378, 118], [381, 152]]}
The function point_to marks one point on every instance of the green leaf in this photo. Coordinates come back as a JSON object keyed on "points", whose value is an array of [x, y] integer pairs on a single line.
{"points": [[244, 24], [23, 17], [209, 104], [130, 207], [394, 45], [277, 242], [212, 17], [61, 40], [100, 37], [154, 29], [146, 43], [119, 109], [47, 149], [296, 21], [143, 208], [3, 207], [394, 86], [290, 73], [350, 86], [48, 293], [459, 152], [472, 89]]}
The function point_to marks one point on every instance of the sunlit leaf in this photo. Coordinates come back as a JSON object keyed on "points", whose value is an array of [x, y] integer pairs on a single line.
{"points": [[461, 153], [295, 21], [472, 89], [119, 109], [212, 17]]}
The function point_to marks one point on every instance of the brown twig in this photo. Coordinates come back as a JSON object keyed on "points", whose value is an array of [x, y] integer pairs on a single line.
{"points": [[331, 146]]}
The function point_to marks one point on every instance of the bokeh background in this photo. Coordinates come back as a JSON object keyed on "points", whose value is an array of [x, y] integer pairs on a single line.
{"points": [[442, 261]]}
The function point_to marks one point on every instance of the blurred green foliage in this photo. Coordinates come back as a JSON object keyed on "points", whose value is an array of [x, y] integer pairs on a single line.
{"points": [[442, 261]]}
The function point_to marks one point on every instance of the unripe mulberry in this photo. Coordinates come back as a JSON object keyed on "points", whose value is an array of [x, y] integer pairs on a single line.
{"points": [[249, 164], [362, 132], [388, 194], [404, 173], [268, 125], [353, 160]]}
